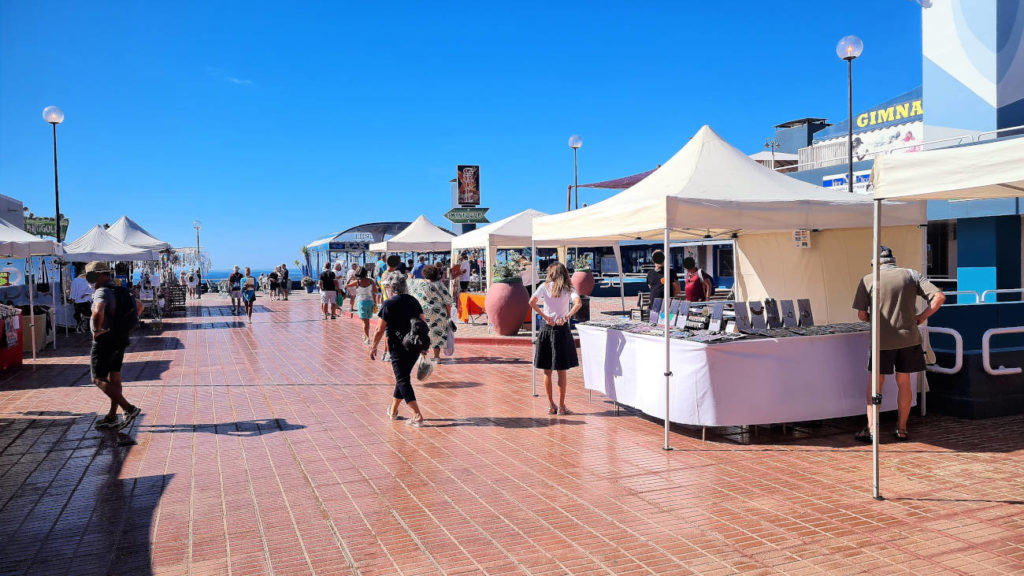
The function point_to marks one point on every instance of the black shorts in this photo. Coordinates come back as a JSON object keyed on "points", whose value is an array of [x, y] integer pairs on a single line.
{"points": [[904, 360], [107, 356]]}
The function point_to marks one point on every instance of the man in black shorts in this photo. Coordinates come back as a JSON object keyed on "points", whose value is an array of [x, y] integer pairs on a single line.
{"points": [[109, 340], [900, 341]]}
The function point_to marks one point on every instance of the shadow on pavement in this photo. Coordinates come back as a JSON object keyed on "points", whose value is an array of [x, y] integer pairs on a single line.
{"points": [[483, 360], [104, 520], [444, 385], [502, 422], [243, 428]]}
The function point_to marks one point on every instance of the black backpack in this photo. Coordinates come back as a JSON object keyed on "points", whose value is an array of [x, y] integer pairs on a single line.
{"points": [[418, 338], [126, 314]]}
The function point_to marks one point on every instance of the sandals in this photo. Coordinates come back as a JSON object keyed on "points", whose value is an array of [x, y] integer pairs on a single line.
{"points": [[553, 410], [901, 435], [863, 436], [565, 411]]}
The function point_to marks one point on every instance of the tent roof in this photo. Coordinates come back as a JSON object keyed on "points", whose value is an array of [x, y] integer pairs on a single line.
{"points": [[99, 244], [511, 232], [985, 170], [619, 183], [128, 231], [16, 243], [711, 188], [419, 236]]}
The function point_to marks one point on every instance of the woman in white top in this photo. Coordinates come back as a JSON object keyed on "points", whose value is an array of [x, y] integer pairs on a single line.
{"points": [[366, 295], [556, 349]]}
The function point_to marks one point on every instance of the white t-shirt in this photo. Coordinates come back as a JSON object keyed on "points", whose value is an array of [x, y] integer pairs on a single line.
{"points": [[558, 307], [465, 270], [81, 290]]}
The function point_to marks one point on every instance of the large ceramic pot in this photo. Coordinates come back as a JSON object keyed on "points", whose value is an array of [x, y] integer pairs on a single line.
{"points": [[507, 304], [583, 282]]}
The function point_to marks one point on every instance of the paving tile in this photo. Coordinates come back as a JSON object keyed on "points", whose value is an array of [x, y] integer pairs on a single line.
{"points": [[265, 448]]}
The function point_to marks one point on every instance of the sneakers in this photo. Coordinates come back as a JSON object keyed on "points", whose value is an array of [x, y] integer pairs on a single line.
{"points": [[107, 423], [130, 417], [366, 340], [386, 357], [415, 422]]}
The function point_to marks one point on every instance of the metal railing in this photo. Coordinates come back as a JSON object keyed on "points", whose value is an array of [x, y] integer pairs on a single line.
{"points": [[977, 298], [958, 341], [986, 351], [984, 295]]}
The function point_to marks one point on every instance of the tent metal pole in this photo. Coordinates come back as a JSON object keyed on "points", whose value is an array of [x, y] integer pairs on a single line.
{"points": [[53, 295], [533, 316], [876, 398], [31, 304], [666, 299]]}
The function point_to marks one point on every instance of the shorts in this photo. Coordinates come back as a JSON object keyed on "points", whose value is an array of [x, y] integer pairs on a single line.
{"points": [[107, 356], [249, 296], [235, 294], [904, 360], [328, 296], [339, 299], [365, 309]]}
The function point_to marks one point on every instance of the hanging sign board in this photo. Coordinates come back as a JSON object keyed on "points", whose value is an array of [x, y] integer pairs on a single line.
{"points": [[802, 238], [467, 215], [469, 185], [45, 227]]}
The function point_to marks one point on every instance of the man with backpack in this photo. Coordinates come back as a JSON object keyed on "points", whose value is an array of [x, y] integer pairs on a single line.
{"points": [[699, 286], [115, 312]]}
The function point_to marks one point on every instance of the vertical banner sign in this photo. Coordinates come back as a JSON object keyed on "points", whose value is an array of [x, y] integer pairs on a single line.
{"points": [[469, 185]]}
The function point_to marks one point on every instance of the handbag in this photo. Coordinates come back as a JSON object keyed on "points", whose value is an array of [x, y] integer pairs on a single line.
{"points": [[449, 345]]}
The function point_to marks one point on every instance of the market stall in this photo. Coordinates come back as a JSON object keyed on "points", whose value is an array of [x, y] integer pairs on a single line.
{"points": [[419, 236], [15, 243], [129, 232], [711, 190], [981, 171], [100, 244]]}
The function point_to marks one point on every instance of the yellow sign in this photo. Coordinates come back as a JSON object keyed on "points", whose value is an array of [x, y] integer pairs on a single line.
{"points": [[890, 114]]}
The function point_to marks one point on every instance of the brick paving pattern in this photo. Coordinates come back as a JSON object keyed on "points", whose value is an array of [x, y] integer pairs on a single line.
{"points": [[265, 449]]}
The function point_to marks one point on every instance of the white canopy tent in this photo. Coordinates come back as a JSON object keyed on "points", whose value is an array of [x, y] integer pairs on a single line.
{"points": [[986, 170], [511, 232], [99, 244], [128, 231], [16, 243], [709, 189], [419, 236]]}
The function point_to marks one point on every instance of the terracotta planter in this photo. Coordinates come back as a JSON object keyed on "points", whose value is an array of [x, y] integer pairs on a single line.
{"points": [[507, 304], [583, 282]]}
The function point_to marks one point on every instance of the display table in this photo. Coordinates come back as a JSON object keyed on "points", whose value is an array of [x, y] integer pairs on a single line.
{"points": [[744, 382], [11, 355], [470, 305], [43, 336]]}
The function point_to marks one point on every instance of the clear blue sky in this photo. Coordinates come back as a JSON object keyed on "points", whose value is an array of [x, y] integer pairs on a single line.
{"points": [[278, 122]]}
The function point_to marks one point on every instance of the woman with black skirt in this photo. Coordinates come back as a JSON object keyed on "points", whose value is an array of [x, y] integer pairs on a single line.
{"points": [[556, 349]]}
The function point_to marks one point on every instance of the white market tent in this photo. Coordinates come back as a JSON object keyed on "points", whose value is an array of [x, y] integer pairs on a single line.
{"points": [[419, 236], [978, 171], [709, 189], [99, 244], [16, 243], [511, 232], [128, 231]]}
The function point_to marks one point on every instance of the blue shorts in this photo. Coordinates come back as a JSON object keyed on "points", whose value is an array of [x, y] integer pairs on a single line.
{"points": [[248, 295], [365, 308]]}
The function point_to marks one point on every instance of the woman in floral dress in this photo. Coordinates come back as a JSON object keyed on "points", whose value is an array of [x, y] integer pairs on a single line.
{"points": [[436, 302]]}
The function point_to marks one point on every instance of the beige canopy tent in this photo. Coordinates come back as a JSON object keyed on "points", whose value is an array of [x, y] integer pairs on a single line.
{"points": [[986, 170], [419, 236], [16, 243], [711, 189], [99, 244], [128, 231]]}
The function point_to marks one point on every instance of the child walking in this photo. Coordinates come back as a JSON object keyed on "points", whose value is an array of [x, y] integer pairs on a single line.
{"points": [[556, 349]]}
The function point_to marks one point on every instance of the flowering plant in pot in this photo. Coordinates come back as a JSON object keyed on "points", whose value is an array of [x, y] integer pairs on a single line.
{"points": [[582, 277], [308, 284], [507, 302]]}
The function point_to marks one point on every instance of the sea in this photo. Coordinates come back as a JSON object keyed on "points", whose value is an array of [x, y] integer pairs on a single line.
{"points": [[223, 273]]}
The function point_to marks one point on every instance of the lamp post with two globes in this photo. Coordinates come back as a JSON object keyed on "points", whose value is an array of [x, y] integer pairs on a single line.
{"points": [[849, 48]]}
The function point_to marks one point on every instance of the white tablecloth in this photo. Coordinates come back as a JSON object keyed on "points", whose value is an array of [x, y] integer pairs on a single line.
{"points": [[760, 381]]}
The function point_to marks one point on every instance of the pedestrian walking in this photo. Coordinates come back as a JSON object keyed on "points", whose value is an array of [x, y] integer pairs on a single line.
{"points": [[272, 282], [285, 283], [396, 315], [193, 283], [556, 348], [235, 290], [114, 313], [900, 348], [248, 292], [365, 293], [327, 291], [349, 276], [339, 287], [436, 302]]}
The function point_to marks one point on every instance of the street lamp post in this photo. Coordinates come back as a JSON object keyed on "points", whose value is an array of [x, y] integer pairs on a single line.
{"points": [[199, 259], [849, 48], [54, 116], [575, 142]]}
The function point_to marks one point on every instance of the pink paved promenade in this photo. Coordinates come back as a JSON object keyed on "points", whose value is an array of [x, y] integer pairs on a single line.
{"points": [[265, 449]]}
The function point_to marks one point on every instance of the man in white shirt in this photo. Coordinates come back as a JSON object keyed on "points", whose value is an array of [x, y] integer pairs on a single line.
{"points": [[81, 295]]}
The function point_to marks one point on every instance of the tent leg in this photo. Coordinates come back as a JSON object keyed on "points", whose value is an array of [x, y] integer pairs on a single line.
{"points": [[876, 398], [31, 304], [53, 294], [668, 357], [533, 318]]}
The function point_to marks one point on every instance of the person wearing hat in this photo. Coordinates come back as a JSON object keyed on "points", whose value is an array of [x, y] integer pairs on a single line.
{"points": [[656, 277], [109, 340], [900, 348]]}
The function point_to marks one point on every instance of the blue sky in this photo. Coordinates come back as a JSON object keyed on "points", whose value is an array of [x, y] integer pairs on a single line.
{"points": [[278, 122]]}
